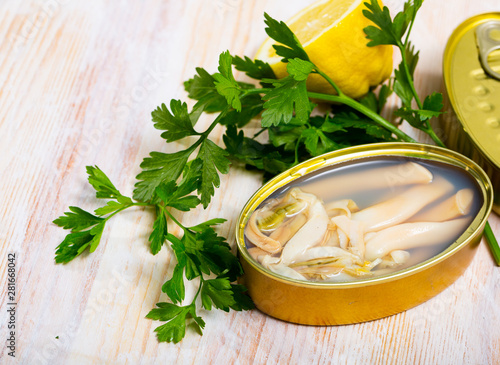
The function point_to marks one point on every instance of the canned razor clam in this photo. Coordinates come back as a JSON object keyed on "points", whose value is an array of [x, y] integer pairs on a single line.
{"points": [[281, 295], [471, 69]]}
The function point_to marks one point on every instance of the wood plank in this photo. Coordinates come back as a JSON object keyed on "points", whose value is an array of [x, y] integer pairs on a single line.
{"points": [[78, 81]]}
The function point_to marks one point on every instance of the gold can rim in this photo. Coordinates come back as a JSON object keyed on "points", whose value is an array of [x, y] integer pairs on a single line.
{"points": [[349, 154]]}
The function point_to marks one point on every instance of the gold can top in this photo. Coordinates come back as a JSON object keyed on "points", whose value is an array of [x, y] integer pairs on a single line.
{"points": [[472, 78]]}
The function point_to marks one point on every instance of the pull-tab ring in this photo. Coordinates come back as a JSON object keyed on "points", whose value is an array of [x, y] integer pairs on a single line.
{"points": [[488, 40]]}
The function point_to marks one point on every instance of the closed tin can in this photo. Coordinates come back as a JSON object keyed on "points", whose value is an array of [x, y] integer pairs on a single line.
{"points": [[471, 70], [327, 303]]}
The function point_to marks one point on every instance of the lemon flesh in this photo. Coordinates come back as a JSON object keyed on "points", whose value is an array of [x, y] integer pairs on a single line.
{"points": [[331, 32]]}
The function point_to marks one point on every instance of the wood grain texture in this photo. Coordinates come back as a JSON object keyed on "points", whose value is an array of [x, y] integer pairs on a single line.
{"points": [[78, 81]]}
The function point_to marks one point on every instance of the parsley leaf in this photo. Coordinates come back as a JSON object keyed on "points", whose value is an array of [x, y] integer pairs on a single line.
{"points": [[216, 255], [200, 251], [251, 106], [349, 120], [317, 143], [433, 104], [173, 197], [255, 69], [388, 31], [217, 291], [418, 117], [214, 158], [77, 220], [383, 94], [403, 86], [159, 168], [175, 329], [225, 83], [202, 88], [241, 300], [73, 245], [96, 233], [178, 124], [288, 96], [299, 69], [370, 101], [185, 250], [160, 231], [113, 206], [100, 182], [392, 31], [86, 228], [264, 157], [411, 57], [77, 242], [287, 135], [291, 47], [205, 225], [410, 11], [377, 102], [174, 287]]}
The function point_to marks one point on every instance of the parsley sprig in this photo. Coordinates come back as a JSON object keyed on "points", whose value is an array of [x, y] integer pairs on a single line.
{"points": [[200, 254], [396, 32], [186, 179], [87, 228]]}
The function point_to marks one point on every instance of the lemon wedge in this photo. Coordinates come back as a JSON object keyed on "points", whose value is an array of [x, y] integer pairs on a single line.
{"points": [[331, 32]]}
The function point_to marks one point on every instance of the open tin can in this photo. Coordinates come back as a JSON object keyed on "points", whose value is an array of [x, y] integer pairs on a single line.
{"points": [[335, 303], [471, 70]]}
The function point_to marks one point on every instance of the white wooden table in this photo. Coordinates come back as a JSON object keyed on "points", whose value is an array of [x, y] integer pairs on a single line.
{"points": [[78, 81]]}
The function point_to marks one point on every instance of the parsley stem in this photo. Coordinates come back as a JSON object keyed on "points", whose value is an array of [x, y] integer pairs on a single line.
{"points": [[492, 243], [434, 136], [172, 217], [204, 135], [297, 151], [215, 122], [408, 32], [409, 77], [126, 207], [364, 110], [259, 133], [199, 288], [330, 81], [255, 91]]}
